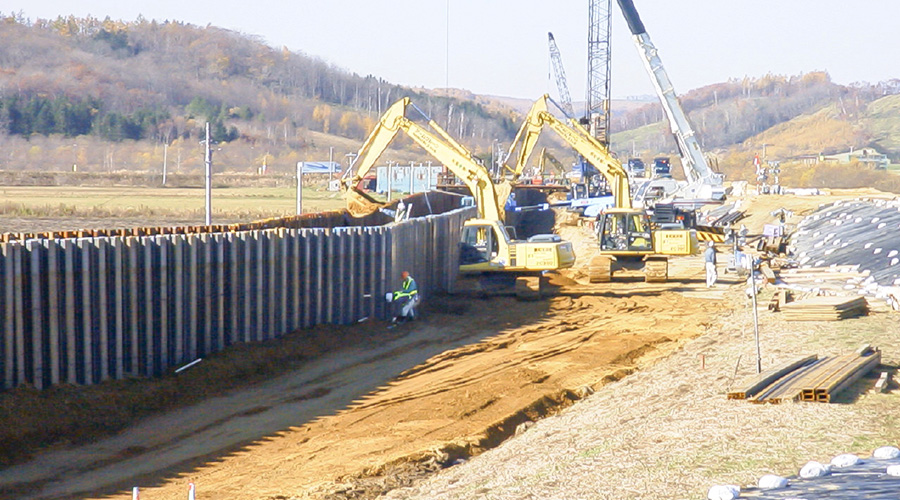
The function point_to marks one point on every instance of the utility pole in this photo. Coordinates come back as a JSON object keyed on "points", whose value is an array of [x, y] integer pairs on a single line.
{"points": [[299, 187], [208, 178], [330, 167], [390, 181], [752, 290]]}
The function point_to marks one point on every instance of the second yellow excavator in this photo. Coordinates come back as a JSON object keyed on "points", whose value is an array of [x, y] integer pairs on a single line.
{"points": [[625, 236], [486, 247]]}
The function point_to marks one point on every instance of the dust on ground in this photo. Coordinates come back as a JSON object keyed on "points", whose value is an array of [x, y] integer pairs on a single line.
{"points": [[385, 408]]}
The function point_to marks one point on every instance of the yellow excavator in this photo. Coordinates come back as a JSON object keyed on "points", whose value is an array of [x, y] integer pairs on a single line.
{"points": [[627, 240], [486, 247]]}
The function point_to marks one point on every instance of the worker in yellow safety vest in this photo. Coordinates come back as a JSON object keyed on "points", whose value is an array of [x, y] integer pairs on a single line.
{"points": [[407, 298]]}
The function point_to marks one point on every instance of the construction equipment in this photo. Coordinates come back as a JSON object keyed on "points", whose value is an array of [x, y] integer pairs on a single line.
{"points": [[560, 72], [703, 185], [636, 168], [598, 85], [486, 247], [589, 190], [625, 235]]}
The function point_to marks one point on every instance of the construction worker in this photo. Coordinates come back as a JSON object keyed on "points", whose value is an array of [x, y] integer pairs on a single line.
{"points": [[709, 257], [407, 298]]}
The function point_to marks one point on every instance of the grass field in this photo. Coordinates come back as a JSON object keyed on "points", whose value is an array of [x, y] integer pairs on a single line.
{"points": [[229, 202]]}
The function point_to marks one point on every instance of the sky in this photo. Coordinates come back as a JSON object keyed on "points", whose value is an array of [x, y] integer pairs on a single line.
{"points": [[500, 47]]}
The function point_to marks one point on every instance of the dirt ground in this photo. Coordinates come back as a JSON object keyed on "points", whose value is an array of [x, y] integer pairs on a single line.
{"points": [[386, 407]]}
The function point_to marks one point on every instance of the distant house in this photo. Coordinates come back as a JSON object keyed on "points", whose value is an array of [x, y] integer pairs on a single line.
{"points": [[866, 156], [809, 159]]}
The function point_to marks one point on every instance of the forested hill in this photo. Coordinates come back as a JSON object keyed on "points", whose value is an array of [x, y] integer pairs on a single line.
{"points": [[809, 113], [124, 89], [159, 80]]}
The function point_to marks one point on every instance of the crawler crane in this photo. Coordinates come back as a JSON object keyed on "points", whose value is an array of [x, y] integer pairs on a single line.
{"points": [[703, 185], [485, 247]]}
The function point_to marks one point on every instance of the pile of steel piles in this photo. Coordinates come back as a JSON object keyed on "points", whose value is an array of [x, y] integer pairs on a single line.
{"points": [[811, 378]]}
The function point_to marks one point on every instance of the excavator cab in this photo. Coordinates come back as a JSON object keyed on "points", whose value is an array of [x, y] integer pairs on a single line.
{"points": [[625, 232], [627, 244], [478, 244]]}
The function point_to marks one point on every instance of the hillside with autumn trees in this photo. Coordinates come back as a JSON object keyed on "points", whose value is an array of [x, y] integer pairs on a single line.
{"points": [[105, 95], [790, 118], [112, 83]]}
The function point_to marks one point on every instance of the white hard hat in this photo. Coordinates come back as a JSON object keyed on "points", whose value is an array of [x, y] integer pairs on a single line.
{"points": [[710, 244]]}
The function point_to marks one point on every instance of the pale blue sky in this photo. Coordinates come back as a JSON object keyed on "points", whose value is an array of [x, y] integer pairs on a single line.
{"points": [[500, 48]]}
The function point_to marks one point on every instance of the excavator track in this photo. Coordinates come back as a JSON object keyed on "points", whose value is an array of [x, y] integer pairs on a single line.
{"points": [[656, 270], [529, 287], [600, 270]]}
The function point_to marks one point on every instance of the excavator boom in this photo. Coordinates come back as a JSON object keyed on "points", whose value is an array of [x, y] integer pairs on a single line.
{"points": [[488, 197], [580, 139], [485, 246]]}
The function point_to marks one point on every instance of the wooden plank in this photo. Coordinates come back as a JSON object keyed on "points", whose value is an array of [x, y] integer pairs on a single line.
{"points": [[884, 382]]}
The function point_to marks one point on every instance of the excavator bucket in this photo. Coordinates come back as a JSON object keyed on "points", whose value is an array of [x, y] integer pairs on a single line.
{"points": [[360, 204]]}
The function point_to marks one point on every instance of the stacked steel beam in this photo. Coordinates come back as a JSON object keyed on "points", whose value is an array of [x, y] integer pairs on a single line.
{"points": [[809, 379]]}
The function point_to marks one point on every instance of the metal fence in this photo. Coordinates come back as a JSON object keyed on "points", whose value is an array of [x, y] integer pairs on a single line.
{"points": [[84, 310]]}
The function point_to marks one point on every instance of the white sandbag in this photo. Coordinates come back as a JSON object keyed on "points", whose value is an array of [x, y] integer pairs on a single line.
{"points": [[772, 482], [814, 469], [724, 492], [886, 452], [845, 460], [893, 470]]}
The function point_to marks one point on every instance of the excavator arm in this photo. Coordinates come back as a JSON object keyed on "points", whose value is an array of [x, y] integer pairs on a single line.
{"points": [[547, 157], [442, 147], [577, 137]]}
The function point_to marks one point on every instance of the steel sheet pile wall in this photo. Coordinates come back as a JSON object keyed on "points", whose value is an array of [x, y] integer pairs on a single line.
{"points": [[85, 310]]}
